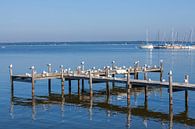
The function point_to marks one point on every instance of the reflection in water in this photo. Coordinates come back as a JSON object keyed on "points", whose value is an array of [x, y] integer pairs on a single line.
{"points": [[12, 106], [171, 116], [90, 107], [62, 109], [149, 56], [33, 109], [85, 101]]}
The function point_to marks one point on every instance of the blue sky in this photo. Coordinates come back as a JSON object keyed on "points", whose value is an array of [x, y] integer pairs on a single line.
{"points": [[93, 20]]}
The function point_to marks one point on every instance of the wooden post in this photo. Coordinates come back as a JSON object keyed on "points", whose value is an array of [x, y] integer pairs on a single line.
{"points": [[79, 87], [62, 80], [90, 83], [145, 73], [49, 80], [128, 89], [83, 85], [11, 79], [186, 93], [146, 89], [79, 70], [107, 88], [107, 82], [128, 98], [170, 89], [107, 71], [161, 70], [113, 82], [113, 75], [69, 86], [113, 64], [33, 82], [82, 66], [135, 70], [186, 100]]}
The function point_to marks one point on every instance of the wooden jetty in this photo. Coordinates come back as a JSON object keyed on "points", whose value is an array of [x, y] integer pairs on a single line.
{"points": [[105, 75]]}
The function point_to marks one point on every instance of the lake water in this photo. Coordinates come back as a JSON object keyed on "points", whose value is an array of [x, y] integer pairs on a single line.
{"points": [[100, 111]]}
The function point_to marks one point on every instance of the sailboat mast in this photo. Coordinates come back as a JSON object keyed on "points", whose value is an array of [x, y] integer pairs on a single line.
{"points": [[172, 37], [147, 36], [191, 38], [177, 35], [158, 37]]}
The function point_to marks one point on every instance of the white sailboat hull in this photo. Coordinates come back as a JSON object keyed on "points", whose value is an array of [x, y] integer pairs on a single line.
{"points": [[147, 46]]}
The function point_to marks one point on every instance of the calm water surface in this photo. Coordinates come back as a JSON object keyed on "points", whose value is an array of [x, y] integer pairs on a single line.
{"points": [[100, 111]]}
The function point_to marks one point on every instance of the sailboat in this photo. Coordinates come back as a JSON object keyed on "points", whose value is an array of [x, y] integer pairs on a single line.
{"points": [[175, 44], [147, 45]]}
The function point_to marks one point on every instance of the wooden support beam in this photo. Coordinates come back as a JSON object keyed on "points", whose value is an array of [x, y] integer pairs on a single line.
{"points": [[161, 70], [135, 71], [90, 83], [186, 80], [107, 88], [82, 66], [49, 80], [62, 80], [83, 85], [62, 86], [146, 89], [170, 89], [107, 82], [33, 82], [128, 89], [113, 83], [113, 64], [136, 76], [78, 86], [11, 79], [69, 86], [145, 73], [186, 100]]}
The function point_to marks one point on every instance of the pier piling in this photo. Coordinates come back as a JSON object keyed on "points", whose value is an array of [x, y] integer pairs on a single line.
{"points": [[90, 83], [83, 85], [33, 82], [128, 88], [11, 79], [82, 66], [69, 86], [78, 86], [107, 82], [113, 75], [49, 80], [62, 80], [170, 89], [136, 74], [145, 73], [186, 80], [161, 70]]}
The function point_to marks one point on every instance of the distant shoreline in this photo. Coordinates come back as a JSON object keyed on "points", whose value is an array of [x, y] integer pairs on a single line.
{"points": [[80, 43], [71, 43]]}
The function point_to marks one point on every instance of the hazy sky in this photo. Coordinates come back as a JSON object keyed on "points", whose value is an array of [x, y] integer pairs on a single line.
{"points": [[93, 20]]}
